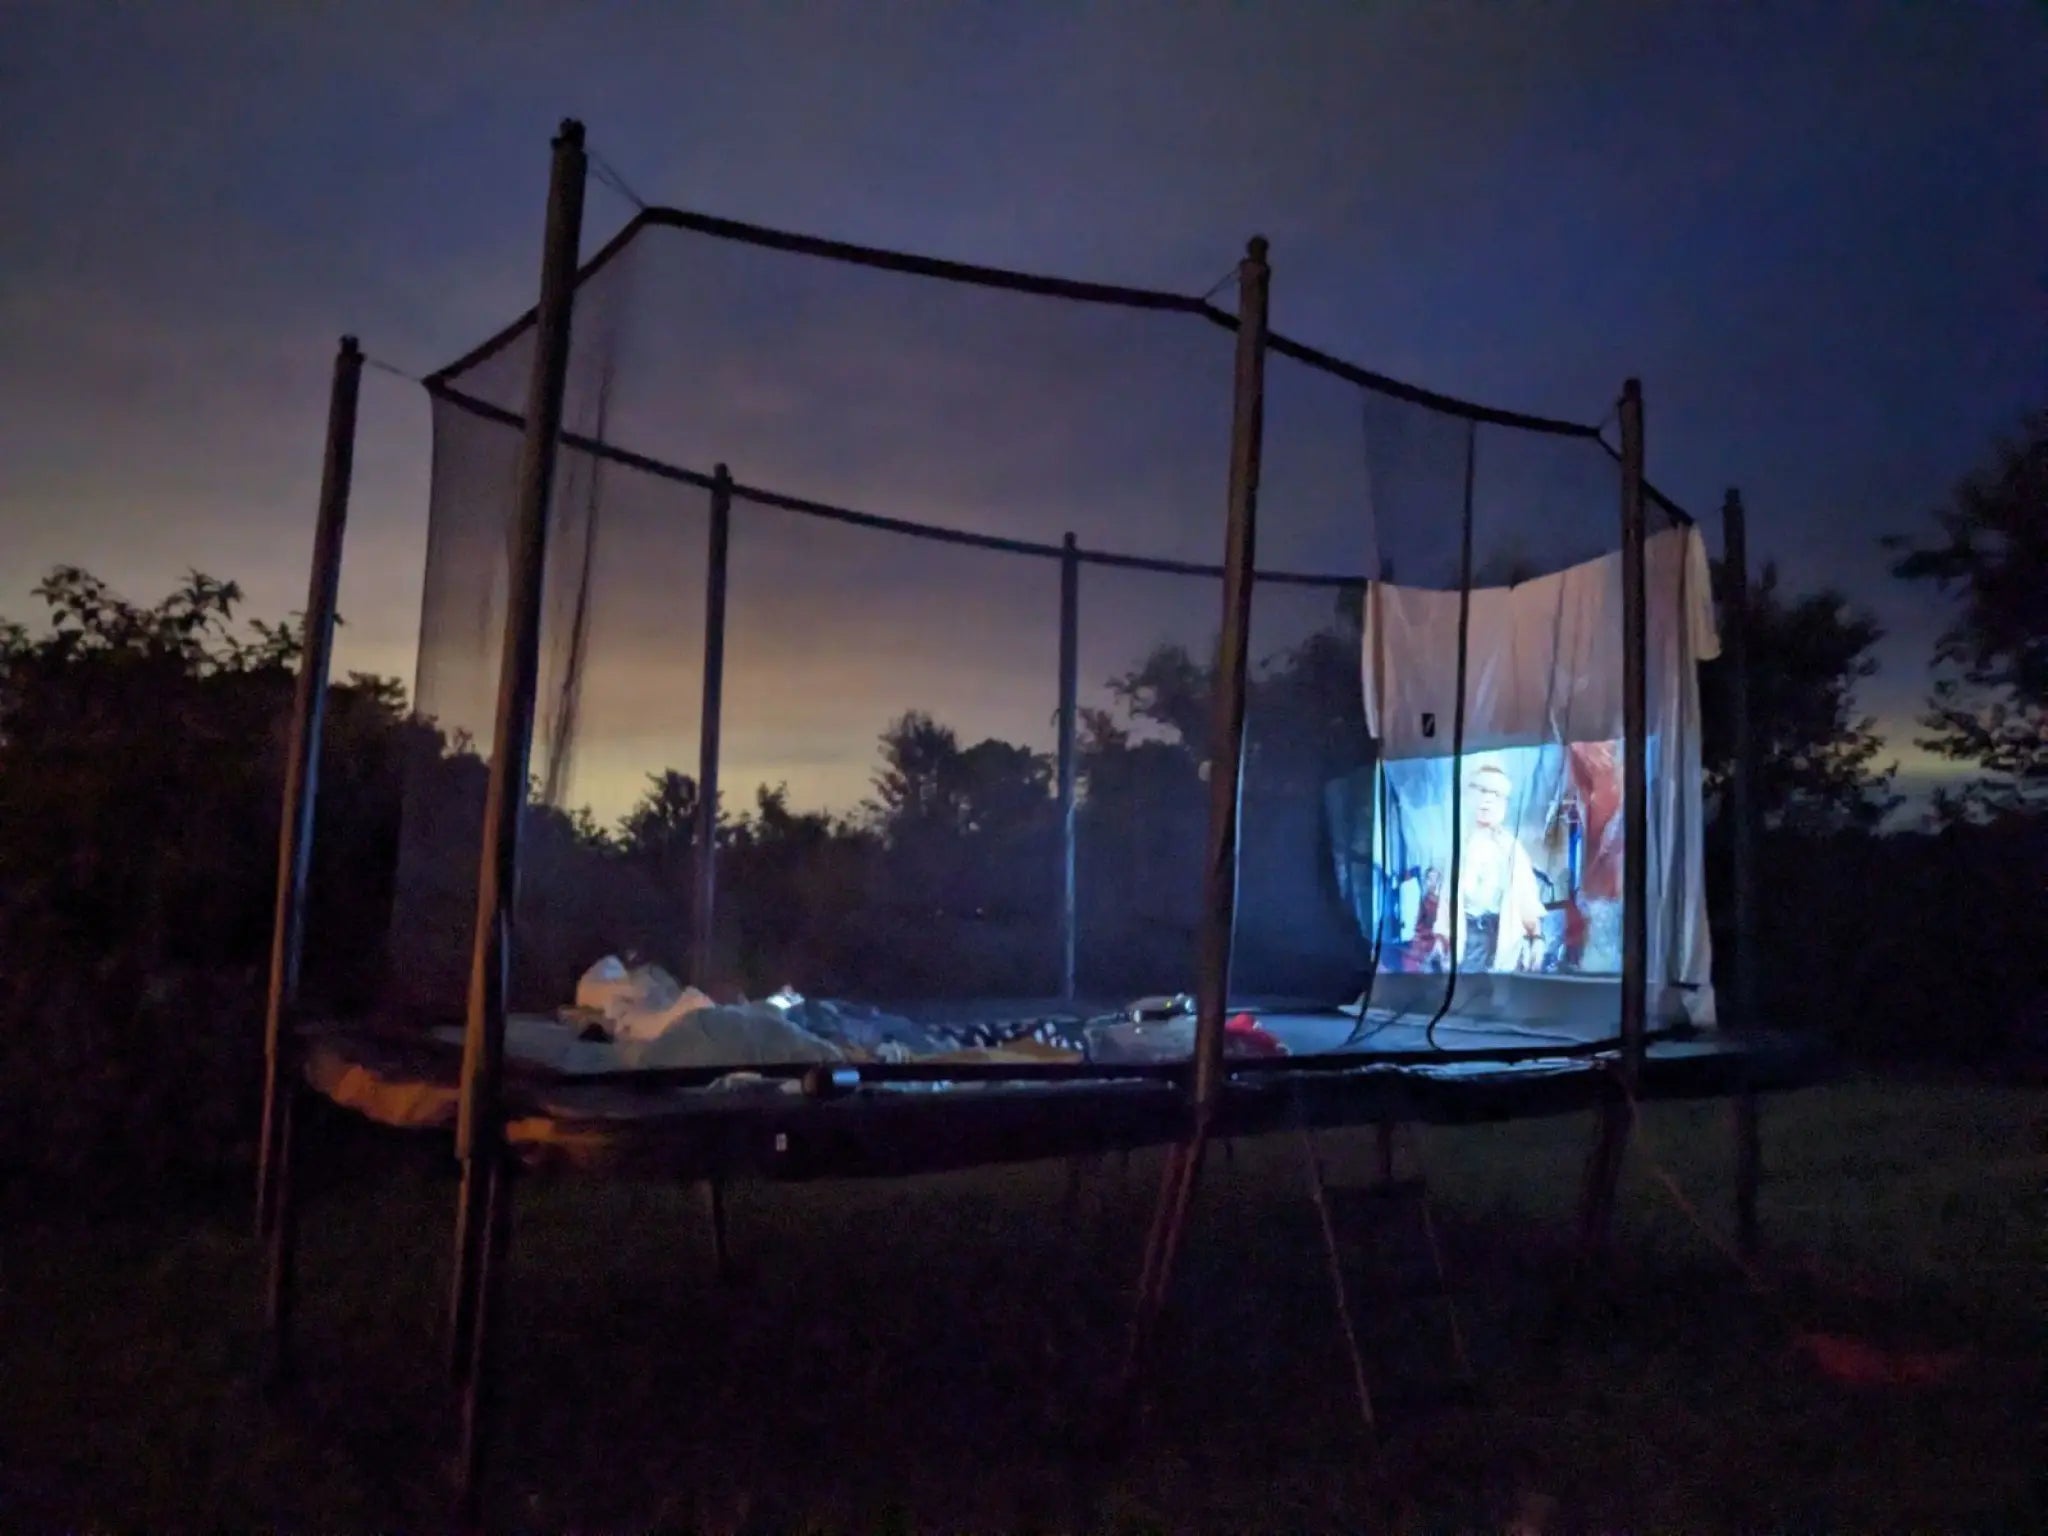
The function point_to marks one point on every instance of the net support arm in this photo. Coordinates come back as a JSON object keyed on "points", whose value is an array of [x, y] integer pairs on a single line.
{"points": [[1069, 720], [705, 907], [302, 768], [1226, 759]]}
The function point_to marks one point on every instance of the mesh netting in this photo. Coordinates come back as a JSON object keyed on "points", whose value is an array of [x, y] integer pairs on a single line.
{"points": [[1436, 642]]}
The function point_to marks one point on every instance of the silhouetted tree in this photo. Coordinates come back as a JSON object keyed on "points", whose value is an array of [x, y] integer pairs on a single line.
{"points": [[1304, 711], [795, 894], [1816, 757], [1172, 690], [999, 788], [774, 825], [1144, 815], [913, 785], [660, 832], [1989, 706]]}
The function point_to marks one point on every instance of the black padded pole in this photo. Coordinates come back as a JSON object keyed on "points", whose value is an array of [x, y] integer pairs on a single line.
{"points": [[1069, 720], [479, 1133], [302, 771], [703, 944], [1226, 745]]}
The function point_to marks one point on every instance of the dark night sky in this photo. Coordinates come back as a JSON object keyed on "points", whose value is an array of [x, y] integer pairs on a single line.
{"points": [[1818, 233]]}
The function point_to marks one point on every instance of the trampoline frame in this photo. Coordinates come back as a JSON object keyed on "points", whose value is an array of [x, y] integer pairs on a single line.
{"points": [[1186, 1106]]}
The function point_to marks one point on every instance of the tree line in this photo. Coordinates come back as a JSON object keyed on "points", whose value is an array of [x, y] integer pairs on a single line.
{"points": [[142, 749]]}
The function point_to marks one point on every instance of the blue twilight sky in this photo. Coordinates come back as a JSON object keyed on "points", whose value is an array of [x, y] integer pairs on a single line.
{"points": [[1819, 233]]}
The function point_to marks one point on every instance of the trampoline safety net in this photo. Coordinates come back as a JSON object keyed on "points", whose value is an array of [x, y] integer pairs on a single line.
{"points": [[970, 518]]}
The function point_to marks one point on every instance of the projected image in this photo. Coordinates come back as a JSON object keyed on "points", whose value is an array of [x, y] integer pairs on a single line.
{"points": [[1536, 883]]}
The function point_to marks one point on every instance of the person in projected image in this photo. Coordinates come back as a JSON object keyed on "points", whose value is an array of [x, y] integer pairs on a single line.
{"points": [[1500, 906], [1427, 949]]}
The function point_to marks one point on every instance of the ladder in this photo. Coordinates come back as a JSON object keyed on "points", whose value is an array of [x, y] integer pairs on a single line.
{"points": [[1362, 1227]]}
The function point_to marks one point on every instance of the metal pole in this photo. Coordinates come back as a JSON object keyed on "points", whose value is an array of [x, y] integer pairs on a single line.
{"points": [[1742, 841], [1742, 769], [302, 772], [1226, 750], [1226, 771], [479, 1131], [281, 1294], [1635, 910], [1749, 1168], [714, 1219], [1070, 705], [704, 940], [1603, 1166], [493, 1250]]}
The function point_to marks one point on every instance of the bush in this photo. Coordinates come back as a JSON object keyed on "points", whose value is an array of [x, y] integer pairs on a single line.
{"points": [[141, 765]]}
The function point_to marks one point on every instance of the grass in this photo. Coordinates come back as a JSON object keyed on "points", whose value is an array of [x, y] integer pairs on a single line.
{"points": [[919, 1355]]}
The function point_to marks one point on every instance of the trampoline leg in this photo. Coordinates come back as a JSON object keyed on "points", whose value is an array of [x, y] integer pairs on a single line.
{"points": [[281, 1292], [1319, 1193], [1748, 1171], [1070, 1194], [1603, 1181], [268, 1153], [480, 1394], [1162, 1247], [469, 1232], [714, 1218]]}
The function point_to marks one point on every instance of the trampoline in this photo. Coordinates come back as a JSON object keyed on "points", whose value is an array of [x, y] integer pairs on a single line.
{"points": [[944, 1116], [1391, 813]]}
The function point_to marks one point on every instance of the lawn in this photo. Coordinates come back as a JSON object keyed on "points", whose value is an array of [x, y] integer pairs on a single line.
{"points": [[918, 1355]]}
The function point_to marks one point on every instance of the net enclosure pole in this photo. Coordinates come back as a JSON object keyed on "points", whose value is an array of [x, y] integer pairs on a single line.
{"points": [[1069, 720], [1603, 1165], [705, 907], [1226, 750], [1635, 912], [1742, 773], [1226, 771], [302, 771], [479, 1130], [1742, 850]]}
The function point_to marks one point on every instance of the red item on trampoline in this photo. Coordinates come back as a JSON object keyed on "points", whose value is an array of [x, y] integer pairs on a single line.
{"points": [[1242, 1031]]}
